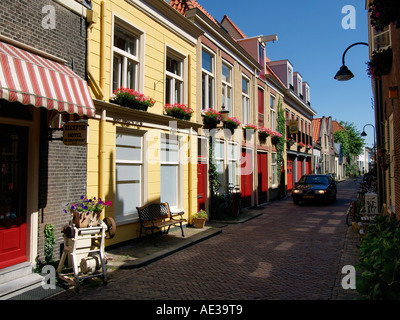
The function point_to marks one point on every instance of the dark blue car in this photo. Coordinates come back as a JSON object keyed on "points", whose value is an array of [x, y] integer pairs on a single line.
{"points": [[315, 187]]}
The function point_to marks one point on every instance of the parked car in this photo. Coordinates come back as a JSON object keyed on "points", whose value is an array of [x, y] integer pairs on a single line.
{"points": [[315, 187]]}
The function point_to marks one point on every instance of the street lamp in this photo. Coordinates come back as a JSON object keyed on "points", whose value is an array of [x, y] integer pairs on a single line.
{"points": [[344, 73], [364, 134]]}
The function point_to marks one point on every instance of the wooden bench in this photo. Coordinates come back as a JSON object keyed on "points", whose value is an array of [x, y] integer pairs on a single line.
{"points": [[156, 216]]}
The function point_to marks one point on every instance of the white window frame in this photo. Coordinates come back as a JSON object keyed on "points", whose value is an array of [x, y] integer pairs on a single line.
{"points": [[125, 57], [274, 170], [378, 34], [220, 159], [290, 76], [272, 112], [176, 78], [128, 217], [246, 101], [227, 87], [179, 169], [233, 162], [208, 77]]}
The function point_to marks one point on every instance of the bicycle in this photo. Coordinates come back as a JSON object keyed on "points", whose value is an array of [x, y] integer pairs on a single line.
{"points": [[351, 213]]}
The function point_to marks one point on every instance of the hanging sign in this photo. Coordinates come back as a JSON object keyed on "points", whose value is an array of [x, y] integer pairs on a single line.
{"points": [[293, 126], [75, 133]]}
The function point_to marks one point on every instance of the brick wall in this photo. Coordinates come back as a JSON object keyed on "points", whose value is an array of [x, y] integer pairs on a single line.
{"points": [[64, 166], [22, 20]]}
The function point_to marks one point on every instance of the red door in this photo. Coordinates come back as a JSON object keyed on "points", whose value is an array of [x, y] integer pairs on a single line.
{"points": [[289, 175], [13, 191], [201, 185], [262, 163], [246, 177], [308, 166], [299, 169]]}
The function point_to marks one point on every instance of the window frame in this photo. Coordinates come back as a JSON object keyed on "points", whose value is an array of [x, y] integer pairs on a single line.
{"points": [[208, 76], [125, 57], [177, 164], [246, 109], [129, 217], [228, 87], [174, 78], [273, 118]]}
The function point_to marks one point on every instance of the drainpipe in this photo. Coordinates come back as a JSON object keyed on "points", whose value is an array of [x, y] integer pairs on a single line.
{"points": [[103, 111]]}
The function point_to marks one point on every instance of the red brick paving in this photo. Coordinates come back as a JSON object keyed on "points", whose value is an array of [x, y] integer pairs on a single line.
{"points": [[290, 252]]}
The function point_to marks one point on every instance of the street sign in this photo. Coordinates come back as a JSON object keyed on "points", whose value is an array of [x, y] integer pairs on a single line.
{"points": [[75, 133]]}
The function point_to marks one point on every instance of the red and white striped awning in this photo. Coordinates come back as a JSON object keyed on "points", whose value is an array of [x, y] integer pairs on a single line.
{"points": [[34, 80]]}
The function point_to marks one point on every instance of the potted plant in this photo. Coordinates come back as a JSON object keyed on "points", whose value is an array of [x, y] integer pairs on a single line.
{"points": [[249, 128], [199, 219], [86, 212], [384, 12], [232, 123], [263, 133], [130, 98], [179, 111], [211, 117], [275, 136], [300, 145], [380, 63]]}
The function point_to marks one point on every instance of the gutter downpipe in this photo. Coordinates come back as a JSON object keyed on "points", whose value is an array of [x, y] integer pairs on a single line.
{"points": [[103, 111]]}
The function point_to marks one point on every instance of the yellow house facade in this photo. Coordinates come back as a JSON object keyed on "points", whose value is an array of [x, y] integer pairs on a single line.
{"points": [[135, 156]]}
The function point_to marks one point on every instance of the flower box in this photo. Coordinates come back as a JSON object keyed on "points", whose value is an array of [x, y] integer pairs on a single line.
{"points": [[199, 222], [85, 219], [179, 111], [211, 118], [132, 99], [86, 212]]}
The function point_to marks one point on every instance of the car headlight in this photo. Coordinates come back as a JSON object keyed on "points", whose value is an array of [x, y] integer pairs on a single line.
{"points": [[297, 191], [321, 191]]}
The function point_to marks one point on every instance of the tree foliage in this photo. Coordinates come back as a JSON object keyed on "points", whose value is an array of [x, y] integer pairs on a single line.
{"points": [[351, 140]]}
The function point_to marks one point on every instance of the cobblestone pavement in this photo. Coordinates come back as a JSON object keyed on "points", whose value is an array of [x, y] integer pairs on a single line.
{"points": [[290, 252]]}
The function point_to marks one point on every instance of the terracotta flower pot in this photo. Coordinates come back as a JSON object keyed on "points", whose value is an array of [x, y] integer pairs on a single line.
{"points": [[199, 222]]}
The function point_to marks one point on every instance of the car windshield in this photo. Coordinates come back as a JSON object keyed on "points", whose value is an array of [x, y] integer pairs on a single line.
{"points": [[314, 180]]}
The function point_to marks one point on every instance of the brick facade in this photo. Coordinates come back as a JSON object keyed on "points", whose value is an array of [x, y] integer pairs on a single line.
{"points": [[63, 166]]}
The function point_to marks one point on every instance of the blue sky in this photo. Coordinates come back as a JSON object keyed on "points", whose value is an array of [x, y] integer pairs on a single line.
{"points": [[311, 36]]}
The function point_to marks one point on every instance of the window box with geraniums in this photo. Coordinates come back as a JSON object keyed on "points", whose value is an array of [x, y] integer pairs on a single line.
{"points": [[300, 145], [275, 136], [232, 123], [308, 147], [263, 133], [211, 117], [86, 212], [290, 142], [199, 219], [249, 128], [380, 63], [132, 99], [384, 12], [179, 111]]}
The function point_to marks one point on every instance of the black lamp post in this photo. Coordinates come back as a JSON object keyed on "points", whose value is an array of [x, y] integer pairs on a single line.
{"points": [[344, 73], [364, 134]]}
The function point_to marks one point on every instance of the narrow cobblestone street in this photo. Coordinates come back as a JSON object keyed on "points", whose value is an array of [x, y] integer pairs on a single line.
{"points": [[290, 252]]}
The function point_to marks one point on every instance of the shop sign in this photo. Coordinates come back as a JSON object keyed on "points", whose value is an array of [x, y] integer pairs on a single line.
{"points": [[293, 126], [75, 133]]}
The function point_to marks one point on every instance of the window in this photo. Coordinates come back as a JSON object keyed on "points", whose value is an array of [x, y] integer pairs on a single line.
{"points": [[174, 78], [220, 163], [125, 58], [300, 87], [232, 162], [290, 77], [128, 175], [227, 87], [381, 38], [245, 100], [169, 170], [260, 107], [272, 113], [207, 80], [274, 169]]}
